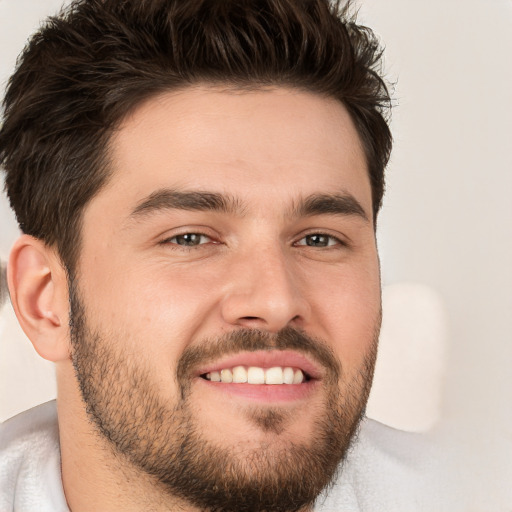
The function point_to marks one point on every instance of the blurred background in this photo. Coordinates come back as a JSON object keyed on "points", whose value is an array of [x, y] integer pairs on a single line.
{"points": [[445, 236]]}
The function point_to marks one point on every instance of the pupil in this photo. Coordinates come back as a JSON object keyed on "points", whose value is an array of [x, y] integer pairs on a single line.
{"points": [[189, 239], [317, 240]]}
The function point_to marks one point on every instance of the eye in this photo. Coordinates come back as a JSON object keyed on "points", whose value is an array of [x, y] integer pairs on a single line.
{"points": [[189, 239], [319, 240]]}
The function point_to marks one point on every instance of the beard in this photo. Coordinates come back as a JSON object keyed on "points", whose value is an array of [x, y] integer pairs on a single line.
{"points": [[167, 442]]}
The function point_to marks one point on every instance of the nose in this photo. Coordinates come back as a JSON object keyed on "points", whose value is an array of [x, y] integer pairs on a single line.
{"points": [[264, 292]]}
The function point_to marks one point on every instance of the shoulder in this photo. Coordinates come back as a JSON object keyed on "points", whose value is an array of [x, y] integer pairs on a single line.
{"points": [[29, 426], [30, 461], [387, 470]]}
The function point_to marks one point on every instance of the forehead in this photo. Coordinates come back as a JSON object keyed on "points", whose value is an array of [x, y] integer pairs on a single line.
{"points": [[246, 143]]}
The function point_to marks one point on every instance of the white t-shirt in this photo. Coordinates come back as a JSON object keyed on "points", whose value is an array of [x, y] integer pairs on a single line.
{"points": [[385, 471], [30, 462]]}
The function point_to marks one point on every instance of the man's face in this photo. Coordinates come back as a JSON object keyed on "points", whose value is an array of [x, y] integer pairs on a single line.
{"points": [[234, 241]]}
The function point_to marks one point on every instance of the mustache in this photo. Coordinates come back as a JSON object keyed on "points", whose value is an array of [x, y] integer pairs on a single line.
{"points": [[251, 340]]}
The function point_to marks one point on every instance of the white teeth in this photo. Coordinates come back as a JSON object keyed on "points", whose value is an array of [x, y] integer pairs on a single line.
{"points": [[239, 374], [255, 375], [288, 374], [274, 375], [226, 376]]}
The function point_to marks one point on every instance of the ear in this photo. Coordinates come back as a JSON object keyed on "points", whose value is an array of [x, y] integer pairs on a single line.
{"points": [[39, 293]]}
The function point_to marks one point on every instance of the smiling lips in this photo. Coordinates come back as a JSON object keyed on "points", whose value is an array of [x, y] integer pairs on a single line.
{"points": [[264, 376], [257, 375], [270, 368]]}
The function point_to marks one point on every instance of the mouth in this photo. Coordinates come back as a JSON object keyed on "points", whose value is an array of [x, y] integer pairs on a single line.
{"points": [[263, 375], [277, 375]]}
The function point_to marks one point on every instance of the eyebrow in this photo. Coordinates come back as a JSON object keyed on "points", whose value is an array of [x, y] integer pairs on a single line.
{"points": [[169, 199], [316, 204], [329, 204]]}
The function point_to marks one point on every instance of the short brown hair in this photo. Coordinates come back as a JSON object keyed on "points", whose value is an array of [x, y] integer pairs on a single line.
{"points": [[88, 67]]}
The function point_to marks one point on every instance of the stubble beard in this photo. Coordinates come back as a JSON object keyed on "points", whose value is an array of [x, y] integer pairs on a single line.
{"points": [[166, 442]]}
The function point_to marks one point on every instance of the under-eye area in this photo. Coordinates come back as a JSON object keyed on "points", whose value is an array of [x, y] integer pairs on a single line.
{"points": [[276, 375]]}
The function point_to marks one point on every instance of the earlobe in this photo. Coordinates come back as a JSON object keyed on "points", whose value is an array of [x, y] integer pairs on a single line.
{"points": [[38, 287]]}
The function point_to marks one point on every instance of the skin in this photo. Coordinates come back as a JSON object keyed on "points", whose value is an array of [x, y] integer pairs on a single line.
{"points": [[267, 149]]}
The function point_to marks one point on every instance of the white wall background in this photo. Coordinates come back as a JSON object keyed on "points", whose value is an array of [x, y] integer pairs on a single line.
{"points": [[446, 222], [447, 219]]}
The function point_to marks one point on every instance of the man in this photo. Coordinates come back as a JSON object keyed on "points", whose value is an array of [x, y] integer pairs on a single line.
{"points": [[198, 184]]}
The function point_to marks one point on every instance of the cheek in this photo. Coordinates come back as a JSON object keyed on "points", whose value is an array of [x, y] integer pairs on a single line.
{"points": [[349, 312], [150, 305]]}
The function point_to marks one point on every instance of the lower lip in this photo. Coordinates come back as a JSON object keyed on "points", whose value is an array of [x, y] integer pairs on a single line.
{"points": [[268, 393]]}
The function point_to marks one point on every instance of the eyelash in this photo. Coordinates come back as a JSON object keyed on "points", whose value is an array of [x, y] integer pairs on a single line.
{"points": [[169, 241], [337, 241], [330, 238]]}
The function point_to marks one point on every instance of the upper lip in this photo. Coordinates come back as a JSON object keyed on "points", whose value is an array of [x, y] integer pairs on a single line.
{"points": [[266, 359]]}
